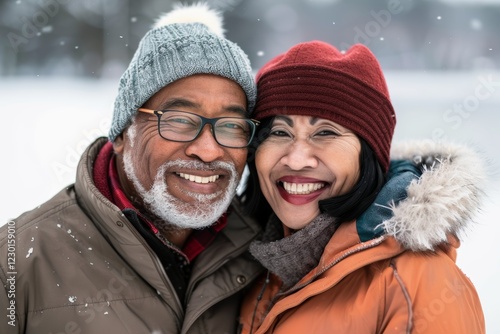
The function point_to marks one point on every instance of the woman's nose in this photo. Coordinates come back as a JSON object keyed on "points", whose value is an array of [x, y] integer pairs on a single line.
{"points": [[300, 155]]}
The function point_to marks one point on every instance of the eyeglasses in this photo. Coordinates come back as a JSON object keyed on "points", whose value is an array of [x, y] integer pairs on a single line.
{"points": [[182, 126]]}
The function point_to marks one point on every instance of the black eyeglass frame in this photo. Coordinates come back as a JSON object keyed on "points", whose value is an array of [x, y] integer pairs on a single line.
{"points": [[204, 121]]}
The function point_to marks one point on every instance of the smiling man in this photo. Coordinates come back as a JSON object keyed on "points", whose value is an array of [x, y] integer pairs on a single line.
{"points": [[149, 238], [191, 178]]}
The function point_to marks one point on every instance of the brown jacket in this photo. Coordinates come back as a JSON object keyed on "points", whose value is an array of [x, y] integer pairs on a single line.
{"points": [[402, 281], [81, 267]]}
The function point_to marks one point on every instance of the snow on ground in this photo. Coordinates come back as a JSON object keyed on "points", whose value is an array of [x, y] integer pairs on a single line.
{"points": [[47, 123]]}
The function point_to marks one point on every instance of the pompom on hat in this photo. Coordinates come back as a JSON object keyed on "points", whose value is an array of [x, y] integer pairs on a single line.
{"points": [[188, 40], [316, 79]]}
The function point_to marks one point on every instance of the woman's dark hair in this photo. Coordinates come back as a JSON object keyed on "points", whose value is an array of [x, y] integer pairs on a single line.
{"points": [[253, 201], [344, 207]]}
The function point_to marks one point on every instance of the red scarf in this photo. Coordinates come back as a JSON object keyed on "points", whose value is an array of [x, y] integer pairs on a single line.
{"points": [[107, 181]]}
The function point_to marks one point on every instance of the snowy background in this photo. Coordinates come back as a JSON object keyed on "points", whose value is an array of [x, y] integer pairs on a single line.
{"points": [[441, 58]]}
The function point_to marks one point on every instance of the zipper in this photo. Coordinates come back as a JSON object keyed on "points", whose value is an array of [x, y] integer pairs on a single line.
{"points": [[231, 255], [158, 265], [259, 298]]}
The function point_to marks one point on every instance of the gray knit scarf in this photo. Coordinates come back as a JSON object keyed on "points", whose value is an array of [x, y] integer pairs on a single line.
{"points": [[291, 258]]}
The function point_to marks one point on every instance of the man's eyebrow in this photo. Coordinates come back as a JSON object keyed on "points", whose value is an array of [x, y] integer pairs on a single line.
{"points": [[176, 103], [237, 109], [183, 103]]}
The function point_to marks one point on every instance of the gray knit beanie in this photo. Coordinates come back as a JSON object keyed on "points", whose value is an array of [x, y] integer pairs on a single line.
{"points": [[186, 41]]}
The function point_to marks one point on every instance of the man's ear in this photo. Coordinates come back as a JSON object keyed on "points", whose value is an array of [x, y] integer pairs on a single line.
{"points": [[119, 144]]}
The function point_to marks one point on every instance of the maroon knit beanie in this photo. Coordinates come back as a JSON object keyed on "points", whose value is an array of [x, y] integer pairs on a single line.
{"points": [[316, 79]]}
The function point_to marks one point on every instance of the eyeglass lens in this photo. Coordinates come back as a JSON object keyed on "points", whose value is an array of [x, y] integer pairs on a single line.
{"points": [[185, 127]]}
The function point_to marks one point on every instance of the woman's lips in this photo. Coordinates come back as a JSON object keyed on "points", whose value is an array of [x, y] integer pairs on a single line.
{"points": [[300, 190]]}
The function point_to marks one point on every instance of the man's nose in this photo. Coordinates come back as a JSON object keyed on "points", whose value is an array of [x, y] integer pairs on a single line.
{"points": [[205, 147]]}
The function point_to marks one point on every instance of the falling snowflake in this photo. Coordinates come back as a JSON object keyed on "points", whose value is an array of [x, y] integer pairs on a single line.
{"points": [[29, 252], [476, 24], [72, 299], [47, 29]]}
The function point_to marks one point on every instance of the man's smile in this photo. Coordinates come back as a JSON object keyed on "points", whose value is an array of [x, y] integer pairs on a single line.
{"points": [[199, 179]]}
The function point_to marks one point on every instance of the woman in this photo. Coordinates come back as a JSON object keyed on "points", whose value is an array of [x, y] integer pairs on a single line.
{"points": [[346, 251]]}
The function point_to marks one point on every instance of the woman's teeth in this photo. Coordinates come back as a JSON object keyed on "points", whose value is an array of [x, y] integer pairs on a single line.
{"points": [[301, 188]]}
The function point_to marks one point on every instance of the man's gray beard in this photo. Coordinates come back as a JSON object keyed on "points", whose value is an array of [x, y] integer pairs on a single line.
{"points": [[174, 213]]}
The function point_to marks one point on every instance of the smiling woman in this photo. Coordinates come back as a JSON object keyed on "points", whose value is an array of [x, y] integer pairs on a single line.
{"points": [[351, 227], [305, 160]]}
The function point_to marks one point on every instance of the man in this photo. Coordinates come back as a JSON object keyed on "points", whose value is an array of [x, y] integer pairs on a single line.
{"points": [[147, 240]]}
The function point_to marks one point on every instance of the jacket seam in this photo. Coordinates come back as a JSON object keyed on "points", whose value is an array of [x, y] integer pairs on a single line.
{"points": [[383, 301], [409, 324], [53, 211], [91, 303]]}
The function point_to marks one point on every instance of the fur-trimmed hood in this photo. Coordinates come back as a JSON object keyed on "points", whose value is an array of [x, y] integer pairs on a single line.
{"points": [[443, 200]]}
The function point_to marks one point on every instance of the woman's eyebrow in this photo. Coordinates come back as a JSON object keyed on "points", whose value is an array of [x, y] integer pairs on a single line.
{"points": [[289, 121], [285, 119]]}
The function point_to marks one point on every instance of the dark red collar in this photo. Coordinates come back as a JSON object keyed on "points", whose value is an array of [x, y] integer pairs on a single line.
{"points": [[106, 180]]}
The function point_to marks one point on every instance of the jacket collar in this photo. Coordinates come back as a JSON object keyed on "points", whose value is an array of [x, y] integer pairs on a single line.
{"points": [[113, 224], [442, 202]]}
